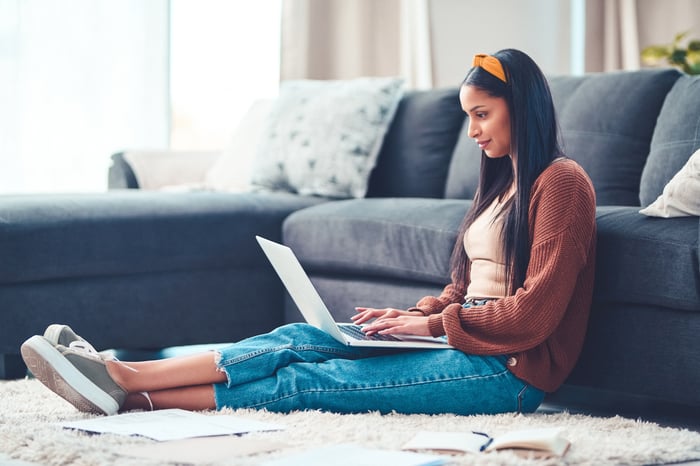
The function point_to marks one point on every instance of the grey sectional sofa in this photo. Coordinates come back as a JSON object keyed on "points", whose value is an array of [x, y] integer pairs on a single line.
{"points": [[135, 269]]}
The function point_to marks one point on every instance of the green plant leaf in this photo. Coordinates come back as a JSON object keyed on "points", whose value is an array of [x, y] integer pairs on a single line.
{"points": [[679, 37], [674, 54], [693, 62], [654, 54], [678, 57]]}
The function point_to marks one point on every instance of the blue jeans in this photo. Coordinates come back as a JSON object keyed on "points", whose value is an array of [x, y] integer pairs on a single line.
{"points": [[299, 367]]}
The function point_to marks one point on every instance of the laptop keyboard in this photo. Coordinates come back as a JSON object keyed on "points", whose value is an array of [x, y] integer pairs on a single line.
{"points": [[355, 331]]}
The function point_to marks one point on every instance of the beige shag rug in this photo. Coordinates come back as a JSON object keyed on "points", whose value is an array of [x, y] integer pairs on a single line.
{"points": [[29, 414]]}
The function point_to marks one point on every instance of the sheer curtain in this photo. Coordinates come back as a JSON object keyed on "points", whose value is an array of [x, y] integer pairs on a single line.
{"points": [[80, 79], [340, 39]]}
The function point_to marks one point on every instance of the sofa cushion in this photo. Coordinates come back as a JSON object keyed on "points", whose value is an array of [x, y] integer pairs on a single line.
{"points": [[646, 260], [640, 259], [417, 149], [403, 238], [606, 121], [135, 232], [676, 137], [323, 137]]}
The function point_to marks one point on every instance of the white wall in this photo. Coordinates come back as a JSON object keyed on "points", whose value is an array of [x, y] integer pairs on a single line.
{"points": [[462, 28], [659, 22]]}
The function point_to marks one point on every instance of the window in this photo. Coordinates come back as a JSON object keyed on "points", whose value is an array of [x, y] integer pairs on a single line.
{"points": [[83, 79]]}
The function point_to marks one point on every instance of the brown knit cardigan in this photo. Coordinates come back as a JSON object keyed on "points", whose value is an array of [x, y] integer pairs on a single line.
{"points": [[541, 327]]}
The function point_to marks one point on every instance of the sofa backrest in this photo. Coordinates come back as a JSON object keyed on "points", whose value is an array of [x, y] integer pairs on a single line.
{"points": [[417, 149], [676, 137], [606, 120]]}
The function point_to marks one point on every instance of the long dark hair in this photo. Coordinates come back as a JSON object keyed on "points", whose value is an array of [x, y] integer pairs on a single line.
{"points": [[535, 143]]}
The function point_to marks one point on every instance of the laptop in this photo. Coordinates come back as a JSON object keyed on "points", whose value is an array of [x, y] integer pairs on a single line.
{"points": [[314, 310]]}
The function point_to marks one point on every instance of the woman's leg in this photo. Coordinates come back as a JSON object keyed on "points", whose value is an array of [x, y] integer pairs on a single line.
{"points": [[161, 374], [182, 382], [194, 398], [256, 357], [98, 384], [299, 367], [186, 382], [419, 381]]}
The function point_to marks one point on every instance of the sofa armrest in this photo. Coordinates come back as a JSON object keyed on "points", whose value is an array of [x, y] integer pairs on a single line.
{"points": [[152, 170], [120, 175]]}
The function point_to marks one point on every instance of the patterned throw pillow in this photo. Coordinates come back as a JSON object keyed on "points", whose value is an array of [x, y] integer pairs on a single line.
{"points": [[681, 196], [322, 137]]}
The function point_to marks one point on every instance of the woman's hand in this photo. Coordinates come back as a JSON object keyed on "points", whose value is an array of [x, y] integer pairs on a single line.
{"points": [[391, 321]]}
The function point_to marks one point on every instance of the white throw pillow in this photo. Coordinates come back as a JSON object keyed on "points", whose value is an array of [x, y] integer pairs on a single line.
{"points": [[232, 170], [681, 195], [322, 137]]}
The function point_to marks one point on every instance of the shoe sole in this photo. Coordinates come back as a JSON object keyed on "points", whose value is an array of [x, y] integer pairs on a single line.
{"points": [[53, 370]]}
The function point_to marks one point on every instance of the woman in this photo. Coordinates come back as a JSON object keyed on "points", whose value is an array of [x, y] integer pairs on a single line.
{"points": [[515, 312]]}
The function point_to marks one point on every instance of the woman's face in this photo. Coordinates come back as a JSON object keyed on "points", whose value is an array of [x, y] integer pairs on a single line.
{"points": [[489, 121]]}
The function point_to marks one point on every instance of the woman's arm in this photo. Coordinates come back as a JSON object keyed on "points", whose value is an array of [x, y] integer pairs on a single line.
{"points": [[452, 293]]}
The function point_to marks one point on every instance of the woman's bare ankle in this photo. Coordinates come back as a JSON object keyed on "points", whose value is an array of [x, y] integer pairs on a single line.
{"points": [[118, 372], [138, 400]]}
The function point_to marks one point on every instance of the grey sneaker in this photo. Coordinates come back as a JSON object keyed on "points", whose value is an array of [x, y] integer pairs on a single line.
{"points": [[59, 334], [75, 372]]}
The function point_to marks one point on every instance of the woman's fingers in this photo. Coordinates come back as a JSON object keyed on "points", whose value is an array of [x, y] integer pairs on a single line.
{"points": [[380, 325], [411, 325], [389, 320], [365, 314]]}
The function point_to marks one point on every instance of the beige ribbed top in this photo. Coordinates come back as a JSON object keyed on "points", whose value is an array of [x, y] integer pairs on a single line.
{"points": [[482, 242]]}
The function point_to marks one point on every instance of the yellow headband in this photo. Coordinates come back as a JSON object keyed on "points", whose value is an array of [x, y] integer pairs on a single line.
{"points": [[490, 64]]}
